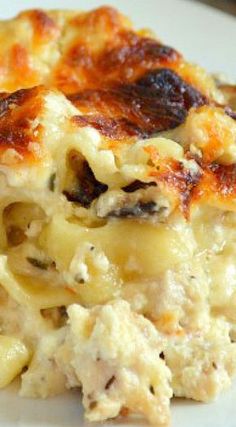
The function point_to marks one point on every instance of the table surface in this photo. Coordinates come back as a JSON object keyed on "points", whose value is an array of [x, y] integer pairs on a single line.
{"points": [[228, 6]]}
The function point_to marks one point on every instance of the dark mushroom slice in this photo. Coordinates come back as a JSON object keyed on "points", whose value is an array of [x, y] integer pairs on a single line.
{"points": [[85, 187], [51, 182], [138, 185], [110, 382], [139, 210], [41, 264]]}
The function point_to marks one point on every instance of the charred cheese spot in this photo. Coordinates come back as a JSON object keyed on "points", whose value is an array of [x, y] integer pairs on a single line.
{"points": [[17, 112], [158, 101]]}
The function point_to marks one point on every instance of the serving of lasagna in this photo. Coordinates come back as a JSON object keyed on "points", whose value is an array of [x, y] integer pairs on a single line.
{"points": [[118, 216]]}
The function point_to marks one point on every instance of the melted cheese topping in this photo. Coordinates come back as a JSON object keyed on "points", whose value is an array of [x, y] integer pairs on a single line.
{"points": [[117, 216], [115, 356]]}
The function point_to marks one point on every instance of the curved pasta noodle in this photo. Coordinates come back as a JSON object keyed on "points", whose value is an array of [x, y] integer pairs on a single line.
{"points": [[30, 294], [12, 287], [118, 240], [13, 357], [108, 154]]}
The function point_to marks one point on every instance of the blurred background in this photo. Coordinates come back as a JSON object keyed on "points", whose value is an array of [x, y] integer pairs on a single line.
{"points": [[228, 6]]}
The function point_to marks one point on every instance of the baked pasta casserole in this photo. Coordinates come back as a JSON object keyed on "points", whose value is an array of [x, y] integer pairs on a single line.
{"points": [[118, 216]]}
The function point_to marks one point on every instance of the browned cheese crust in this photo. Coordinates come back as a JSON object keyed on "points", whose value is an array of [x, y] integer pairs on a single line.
{"points": [[126, 84]]}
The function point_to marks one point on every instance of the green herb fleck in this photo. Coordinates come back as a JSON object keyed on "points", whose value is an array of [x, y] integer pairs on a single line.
{"points": [[38, 263], [51, 183], [151, 388]]}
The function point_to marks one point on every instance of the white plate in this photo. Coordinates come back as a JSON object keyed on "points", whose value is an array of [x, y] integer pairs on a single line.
{"points": [[208, 38], [66, 411]]}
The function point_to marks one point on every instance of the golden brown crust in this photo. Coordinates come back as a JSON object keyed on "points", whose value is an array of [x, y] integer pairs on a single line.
{"points": [[158, 101], [17, 113], [123, 59], [77, 51], [83, 51], [17, 69], [126, 84], [213, 183]]}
